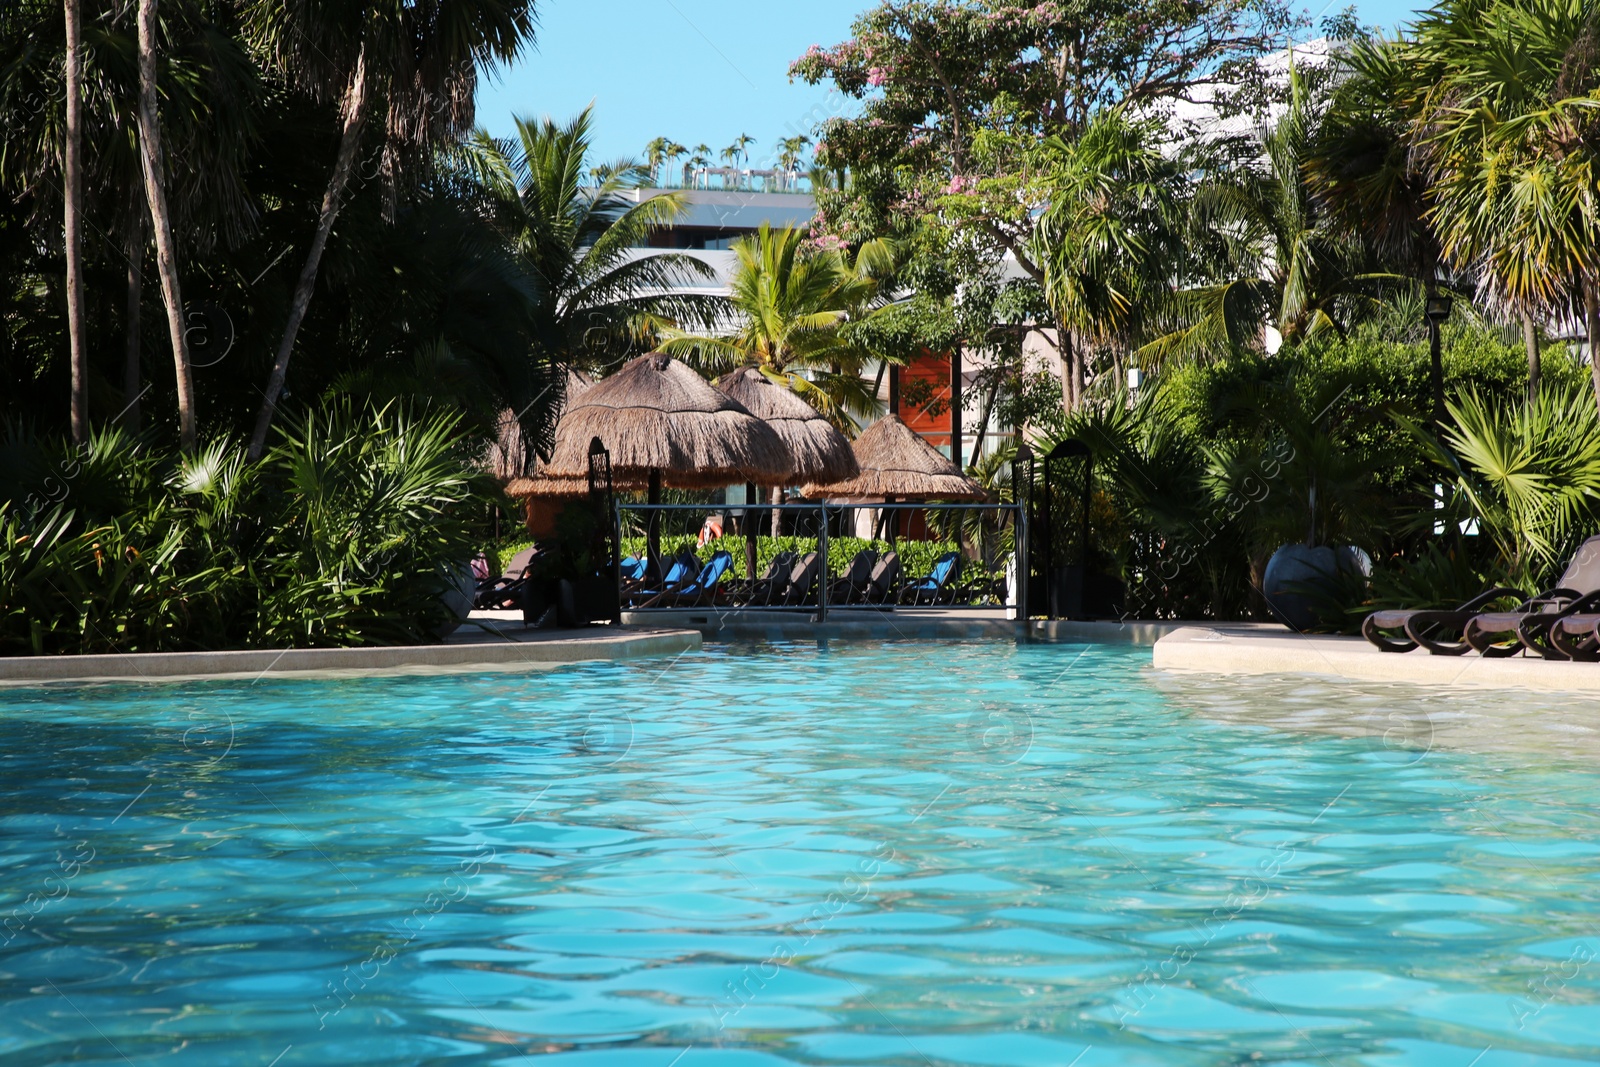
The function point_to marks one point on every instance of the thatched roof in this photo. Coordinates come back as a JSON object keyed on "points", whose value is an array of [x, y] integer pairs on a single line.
{"points": [[507, 458], [655, 414], [897, 462], [819, 452]]}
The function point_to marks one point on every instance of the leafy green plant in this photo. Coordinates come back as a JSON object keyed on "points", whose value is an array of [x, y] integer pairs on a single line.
{"points": [[1529, 475], [347, 534]]}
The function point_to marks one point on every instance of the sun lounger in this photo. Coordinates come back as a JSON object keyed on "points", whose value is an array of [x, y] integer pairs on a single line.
{"points": [[506, 590], [937, 585], [761, 591], [1431, 629], [1383, 628], [802, 580], [884, 583], [679, 573], [852, 586], [1577, 636], [1527, 626], [700, 591]]}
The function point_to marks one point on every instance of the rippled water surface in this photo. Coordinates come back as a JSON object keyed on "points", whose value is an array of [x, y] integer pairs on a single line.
{"points": [[914, 854]]}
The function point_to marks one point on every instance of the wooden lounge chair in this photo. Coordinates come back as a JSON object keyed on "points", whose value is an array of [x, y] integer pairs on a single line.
{"points": [[851, 586], [1527, 626], [937, 586], [1380, 627]]}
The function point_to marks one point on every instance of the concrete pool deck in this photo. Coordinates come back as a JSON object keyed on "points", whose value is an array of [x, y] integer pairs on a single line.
{"points": [[1269, 649], [490, 648]]}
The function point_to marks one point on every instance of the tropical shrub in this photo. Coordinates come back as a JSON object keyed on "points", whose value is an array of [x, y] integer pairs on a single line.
{"points": [[347, 533]]}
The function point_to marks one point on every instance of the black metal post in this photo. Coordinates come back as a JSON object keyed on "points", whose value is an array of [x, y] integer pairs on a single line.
{"points": [[822, 552]]}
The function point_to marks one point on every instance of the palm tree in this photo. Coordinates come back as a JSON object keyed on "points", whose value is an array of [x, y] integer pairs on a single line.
{"points": [[73, 207], [1289, 264], [789, 151], [795, 303], [1108, 237], [156, 194], [1363, 170], [1509, 133], [671, 153], [735, 153], [419, 62], [655, 154], [592, 295], [701, 157]]}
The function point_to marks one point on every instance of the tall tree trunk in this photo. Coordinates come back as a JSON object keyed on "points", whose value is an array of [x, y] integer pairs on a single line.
{"points": [[1530, 342], [355, 117], [132, 372], [1071, 372], [1591, 326], [156, 193], [955, 407], [983, 418], [1435, 359], [74, 236]]}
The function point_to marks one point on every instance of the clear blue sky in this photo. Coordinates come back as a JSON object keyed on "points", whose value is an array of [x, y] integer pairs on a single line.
{"points": [[696, 70]]}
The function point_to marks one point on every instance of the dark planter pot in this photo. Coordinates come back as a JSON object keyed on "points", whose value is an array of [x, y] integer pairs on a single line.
{"points": [[584, 601], [1295, 566], [457, 599], [1074, 594], [575, 602]]}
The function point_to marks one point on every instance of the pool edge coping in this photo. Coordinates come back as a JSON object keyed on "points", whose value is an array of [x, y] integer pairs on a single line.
{"points": [[1228, 650], [525, 653]]}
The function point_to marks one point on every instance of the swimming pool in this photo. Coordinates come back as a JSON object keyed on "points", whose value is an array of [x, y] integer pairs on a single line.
{"points": [[899, 854]]}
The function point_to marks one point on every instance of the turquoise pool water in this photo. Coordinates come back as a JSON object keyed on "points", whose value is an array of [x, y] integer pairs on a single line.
{"points": [[891, 855]]}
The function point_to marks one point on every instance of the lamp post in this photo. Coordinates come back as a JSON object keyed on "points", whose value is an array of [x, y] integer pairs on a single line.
{"points": [[599, 466], [1438, 310]]}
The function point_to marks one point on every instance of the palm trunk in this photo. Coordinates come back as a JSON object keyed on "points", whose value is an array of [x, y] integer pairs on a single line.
{"points": [[355, 117], [1435, 361], [777, 516], [74, 236], [983, 419], [1530, 342], [132, 372], [1071, 372], [1591, 325], [156, 194]]}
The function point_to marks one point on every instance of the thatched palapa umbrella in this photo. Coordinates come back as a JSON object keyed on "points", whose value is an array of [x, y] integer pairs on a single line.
{"points": [[663, 425], [898, 465], [820, 453]]}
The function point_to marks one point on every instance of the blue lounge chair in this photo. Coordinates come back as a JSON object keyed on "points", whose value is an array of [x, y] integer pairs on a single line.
{"points": [[680, 571], [936, 585], [697, 592]]}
